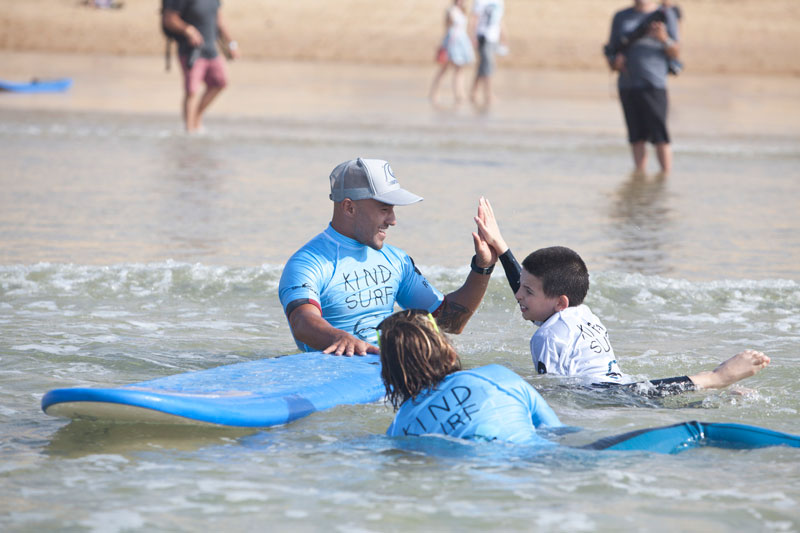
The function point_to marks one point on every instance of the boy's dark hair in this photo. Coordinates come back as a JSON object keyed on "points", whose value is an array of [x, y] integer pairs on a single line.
{"points": [[561, 270]]}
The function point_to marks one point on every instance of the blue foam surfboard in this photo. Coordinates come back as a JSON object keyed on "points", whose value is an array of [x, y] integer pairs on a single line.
{"points": [[36, 86], [260, 393]]}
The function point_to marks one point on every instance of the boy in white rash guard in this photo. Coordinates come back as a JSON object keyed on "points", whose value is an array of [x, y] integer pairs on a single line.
{"points": [[571, 340], [424, 383]]}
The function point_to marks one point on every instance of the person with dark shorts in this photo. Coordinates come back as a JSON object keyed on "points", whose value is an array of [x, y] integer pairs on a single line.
{"points": [[486, 28], [645, 115], [643, 65], [196, 26]]}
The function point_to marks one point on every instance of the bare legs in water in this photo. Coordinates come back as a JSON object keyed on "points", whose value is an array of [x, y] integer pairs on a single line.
{"points": [[663, 153]]}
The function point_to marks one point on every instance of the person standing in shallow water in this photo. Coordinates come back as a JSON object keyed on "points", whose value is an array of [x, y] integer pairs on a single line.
{"points": [[642, 82], [196, 25]]}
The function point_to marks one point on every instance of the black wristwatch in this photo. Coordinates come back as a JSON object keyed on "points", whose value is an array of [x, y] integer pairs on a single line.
{"points": [[478, 270]]}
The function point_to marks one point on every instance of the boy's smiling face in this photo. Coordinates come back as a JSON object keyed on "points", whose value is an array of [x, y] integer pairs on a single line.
{"points": [[533, 303]]}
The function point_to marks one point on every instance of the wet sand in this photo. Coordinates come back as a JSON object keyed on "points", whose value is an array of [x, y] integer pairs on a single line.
{"points": [[546, 100], [309, 60]]}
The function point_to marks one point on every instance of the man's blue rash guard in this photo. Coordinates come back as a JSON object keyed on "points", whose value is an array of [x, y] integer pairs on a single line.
{"points": [[354, 286], [490, 402]]}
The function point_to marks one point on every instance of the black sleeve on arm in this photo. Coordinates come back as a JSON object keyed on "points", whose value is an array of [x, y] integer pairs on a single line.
{"points": [[654, 387], [674, 385], [511, 268], [294, 304]]}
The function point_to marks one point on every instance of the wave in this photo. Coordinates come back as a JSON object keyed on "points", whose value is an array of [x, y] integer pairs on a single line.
{"points": [[200, 281], [135, 279]]}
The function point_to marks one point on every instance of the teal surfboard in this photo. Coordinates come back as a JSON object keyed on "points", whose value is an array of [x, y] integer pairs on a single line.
{"points": [[261, 393], [36, 86]]}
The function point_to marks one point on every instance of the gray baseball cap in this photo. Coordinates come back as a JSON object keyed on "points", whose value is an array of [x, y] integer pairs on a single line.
{"points": [[360, 179]]}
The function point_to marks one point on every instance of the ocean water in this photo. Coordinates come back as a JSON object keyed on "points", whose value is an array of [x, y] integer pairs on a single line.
{"points": [[129, 251]]}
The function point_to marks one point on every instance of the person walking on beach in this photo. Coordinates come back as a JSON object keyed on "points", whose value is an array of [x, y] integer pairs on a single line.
{"points": [[458, 50], [486, 25], [196, 25], [340, 285], [643, 64]]}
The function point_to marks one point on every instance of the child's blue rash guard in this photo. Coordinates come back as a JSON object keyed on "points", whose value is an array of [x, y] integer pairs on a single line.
{"points": [[490, 402], [354, 286]]}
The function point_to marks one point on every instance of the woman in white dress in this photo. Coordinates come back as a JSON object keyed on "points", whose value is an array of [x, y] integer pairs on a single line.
{"points": [[459, 52]]}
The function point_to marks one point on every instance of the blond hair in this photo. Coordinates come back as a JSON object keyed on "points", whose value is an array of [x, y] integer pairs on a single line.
{"points": [[415, 356]]}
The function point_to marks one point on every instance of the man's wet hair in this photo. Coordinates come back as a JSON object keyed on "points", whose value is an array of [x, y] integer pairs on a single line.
{"points": [[561, 271]]}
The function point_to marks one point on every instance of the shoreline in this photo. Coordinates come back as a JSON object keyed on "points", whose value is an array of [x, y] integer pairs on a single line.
{"points": [[544, 100]]}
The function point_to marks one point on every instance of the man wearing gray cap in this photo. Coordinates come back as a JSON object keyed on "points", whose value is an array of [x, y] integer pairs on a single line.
{"points": [[341, 284]]}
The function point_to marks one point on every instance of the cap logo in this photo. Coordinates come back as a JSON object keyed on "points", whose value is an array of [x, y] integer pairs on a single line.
{"points": [[389, 175]]}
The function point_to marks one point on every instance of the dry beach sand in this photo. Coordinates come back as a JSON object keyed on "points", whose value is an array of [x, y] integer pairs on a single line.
{"points": [[719, 36]]}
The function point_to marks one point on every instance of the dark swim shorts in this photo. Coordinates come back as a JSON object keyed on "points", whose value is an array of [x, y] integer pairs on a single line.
{"points": [[486, 61], [645, 114]]}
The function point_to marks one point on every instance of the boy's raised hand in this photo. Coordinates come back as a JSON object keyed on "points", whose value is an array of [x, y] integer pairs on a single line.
{"points": [[488, 228]]}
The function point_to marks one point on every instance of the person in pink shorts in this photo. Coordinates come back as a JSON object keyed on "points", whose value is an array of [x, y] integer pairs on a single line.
{"points": [[197, 25]]}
